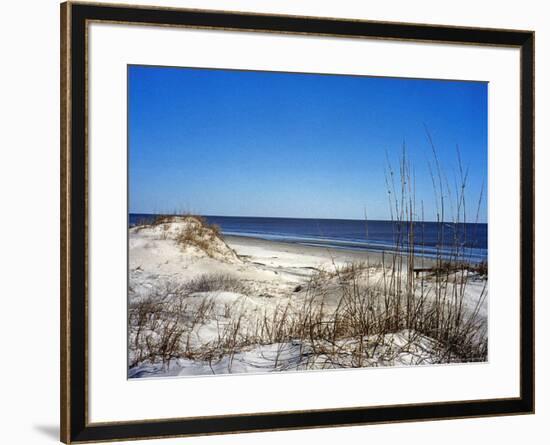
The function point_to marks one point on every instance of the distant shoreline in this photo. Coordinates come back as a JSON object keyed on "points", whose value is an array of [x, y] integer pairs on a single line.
{"points": [[339, 255], [431, 240]]}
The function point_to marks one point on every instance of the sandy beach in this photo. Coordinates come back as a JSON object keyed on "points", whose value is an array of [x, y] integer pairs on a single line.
{"points": [[248, 288], [289, 253]]}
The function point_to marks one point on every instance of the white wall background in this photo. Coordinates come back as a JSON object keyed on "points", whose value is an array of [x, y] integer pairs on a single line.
{"points": [[29, 228]]}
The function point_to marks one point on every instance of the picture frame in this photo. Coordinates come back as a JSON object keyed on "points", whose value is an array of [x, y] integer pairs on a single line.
{"points": [[76, 230]]}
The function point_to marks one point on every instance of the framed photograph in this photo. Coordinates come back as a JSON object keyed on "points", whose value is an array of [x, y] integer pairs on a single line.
{"points": [[277, 222]]}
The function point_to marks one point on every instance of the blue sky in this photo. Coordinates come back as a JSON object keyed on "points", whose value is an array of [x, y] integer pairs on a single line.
{"points": [[245, 143]]}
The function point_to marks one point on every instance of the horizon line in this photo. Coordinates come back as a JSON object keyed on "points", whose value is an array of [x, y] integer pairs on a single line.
{"points": [[296, 217]]}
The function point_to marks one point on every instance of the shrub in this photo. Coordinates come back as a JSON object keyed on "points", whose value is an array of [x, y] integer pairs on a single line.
{"points": [[214, 282]]}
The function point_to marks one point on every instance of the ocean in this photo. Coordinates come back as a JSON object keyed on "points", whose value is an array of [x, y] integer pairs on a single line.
{"points": [[430, 238]]}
